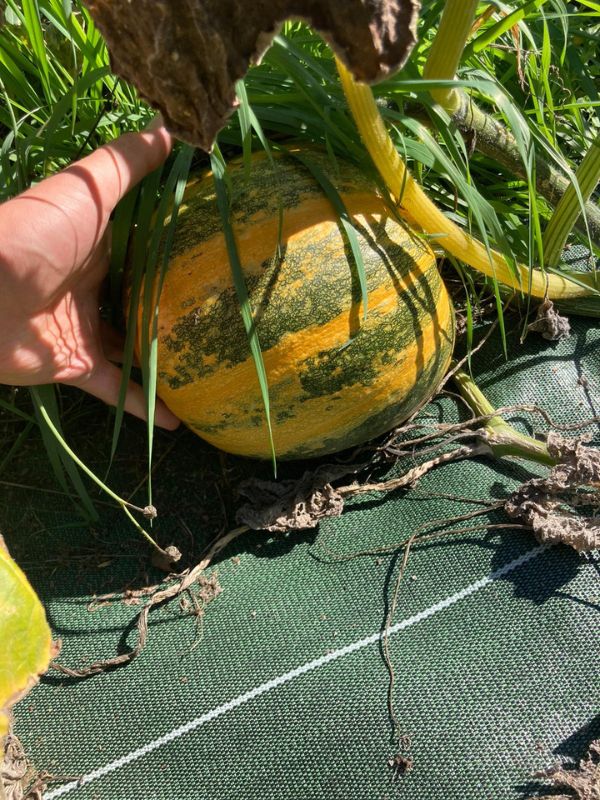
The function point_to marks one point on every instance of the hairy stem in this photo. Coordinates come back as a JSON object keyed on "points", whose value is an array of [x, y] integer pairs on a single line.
{"points": [[422, 212], [492, 139], [447, 49], [502, 438]]}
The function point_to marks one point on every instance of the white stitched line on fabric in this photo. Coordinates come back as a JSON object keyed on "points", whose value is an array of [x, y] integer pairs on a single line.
{"points": [[241, 699]]}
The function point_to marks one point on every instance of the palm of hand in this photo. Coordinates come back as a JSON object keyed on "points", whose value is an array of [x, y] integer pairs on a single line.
{"points": [[55, 259]]}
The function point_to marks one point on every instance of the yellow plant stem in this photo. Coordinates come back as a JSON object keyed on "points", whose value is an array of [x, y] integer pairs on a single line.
{"points": [[568, 209], [447, 49], [421, 212]]}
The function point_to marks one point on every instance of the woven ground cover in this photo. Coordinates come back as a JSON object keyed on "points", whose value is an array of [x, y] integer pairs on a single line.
{"points": [[278, 689]]}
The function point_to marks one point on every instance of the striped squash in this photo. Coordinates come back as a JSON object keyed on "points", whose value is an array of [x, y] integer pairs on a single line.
{"points": [[335, 379]]}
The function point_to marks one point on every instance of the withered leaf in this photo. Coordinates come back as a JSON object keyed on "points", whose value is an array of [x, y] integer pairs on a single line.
{"points": [[582, 782], [552, 506], [185, 57], [550, 323], [293, 504]]}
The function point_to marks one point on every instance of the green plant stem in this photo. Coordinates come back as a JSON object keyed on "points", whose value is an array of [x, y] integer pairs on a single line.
{"points": [[447, 50], [502, 438], [568, 209], [492, 139]]}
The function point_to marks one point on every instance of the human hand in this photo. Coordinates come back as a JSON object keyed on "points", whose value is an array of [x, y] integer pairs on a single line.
{"points": [[54, 254]]}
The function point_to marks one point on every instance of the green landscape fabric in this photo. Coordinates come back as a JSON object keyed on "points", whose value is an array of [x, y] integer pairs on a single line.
{"points": [[279, 689]]}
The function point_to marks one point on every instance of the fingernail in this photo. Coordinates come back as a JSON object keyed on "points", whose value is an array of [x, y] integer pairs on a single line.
{"points": [[155, 123]]}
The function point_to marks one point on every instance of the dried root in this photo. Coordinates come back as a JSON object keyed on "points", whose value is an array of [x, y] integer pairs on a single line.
{"points": [[550, 506], [183, 582]]}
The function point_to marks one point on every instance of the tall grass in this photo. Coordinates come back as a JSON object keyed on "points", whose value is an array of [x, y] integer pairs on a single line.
{"points": [[534, 65]]}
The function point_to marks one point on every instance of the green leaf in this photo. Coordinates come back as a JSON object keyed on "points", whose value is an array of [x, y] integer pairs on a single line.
{"points": [[149, 190], [219, 169], [345, 220], [165, 224], [245, 125], [25, 636]]}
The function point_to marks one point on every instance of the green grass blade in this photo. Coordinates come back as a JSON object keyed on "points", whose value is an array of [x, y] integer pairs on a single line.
{"points": [[569, 207], [503, 25], [336, 201], [33, 25], [245, 126], [258, 130], [71, 460], [64, 105], [219, 170], [46, 408], [15, 411], [175, 185], [149, 189], [121, 234], [16, 445]]}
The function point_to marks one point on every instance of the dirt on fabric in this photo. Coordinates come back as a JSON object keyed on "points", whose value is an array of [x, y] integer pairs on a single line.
{"points": [[579, 781]]}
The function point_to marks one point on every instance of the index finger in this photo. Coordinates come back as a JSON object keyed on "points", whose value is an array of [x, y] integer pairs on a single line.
{"points": [[118, 166], [91, 187]]}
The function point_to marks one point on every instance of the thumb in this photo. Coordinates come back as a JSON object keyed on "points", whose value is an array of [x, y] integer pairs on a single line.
{"points": [[89, 189], [105, 384]]}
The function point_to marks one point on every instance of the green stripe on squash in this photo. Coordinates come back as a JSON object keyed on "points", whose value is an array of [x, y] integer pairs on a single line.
{"points": [[335, 380]]}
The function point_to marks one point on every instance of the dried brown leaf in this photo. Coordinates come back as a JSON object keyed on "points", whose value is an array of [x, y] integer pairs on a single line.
{"points": [[292, 504], [185, 57], [551, 505], [549, 323]]}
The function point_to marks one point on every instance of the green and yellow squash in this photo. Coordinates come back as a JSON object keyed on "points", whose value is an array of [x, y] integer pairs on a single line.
{"points": [[335, 379]]}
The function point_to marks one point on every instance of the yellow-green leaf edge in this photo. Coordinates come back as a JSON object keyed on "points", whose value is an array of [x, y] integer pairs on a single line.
{"points": [[26, 642]]}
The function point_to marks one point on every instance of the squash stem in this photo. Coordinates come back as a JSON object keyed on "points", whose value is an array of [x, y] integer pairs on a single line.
{"points": [[447, 49], [419, 210], [492, 137], [502, 438]]}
